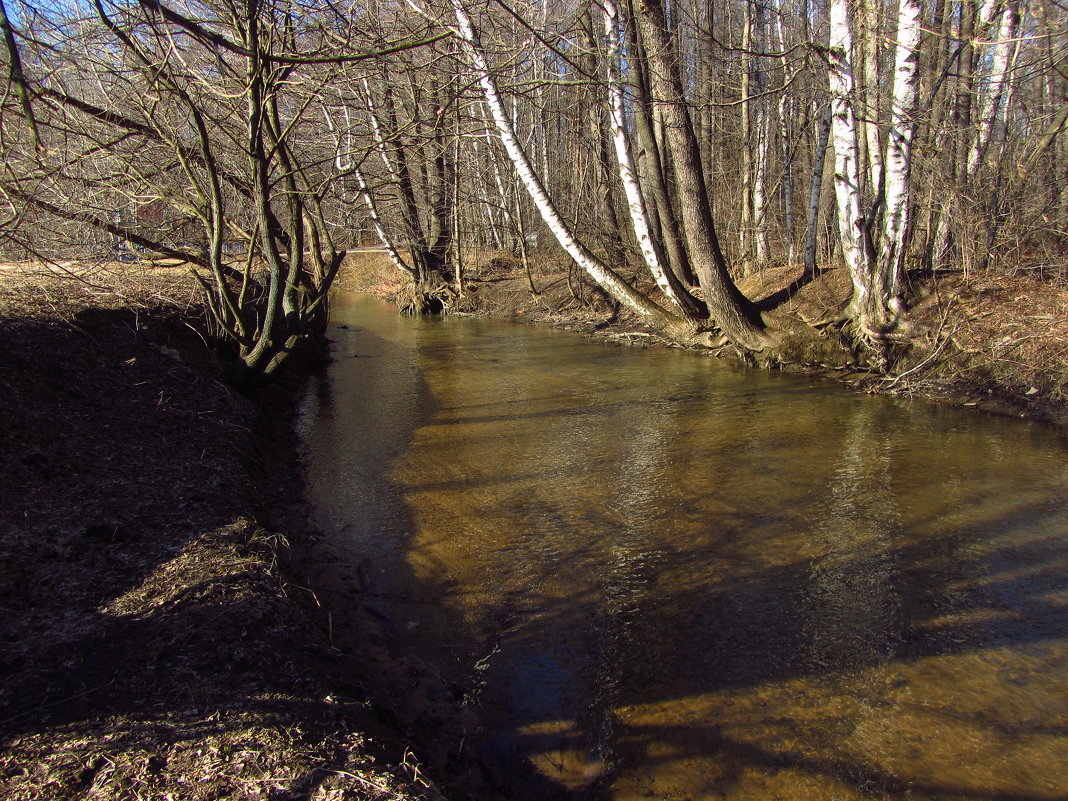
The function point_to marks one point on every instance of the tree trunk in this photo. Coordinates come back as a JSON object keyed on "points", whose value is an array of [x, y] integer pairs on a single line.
{"points": [[732, 311], [665, 279], [603, 275], [653, 167], [866, 309], [815, 191], [898, 167], [991, 107]]}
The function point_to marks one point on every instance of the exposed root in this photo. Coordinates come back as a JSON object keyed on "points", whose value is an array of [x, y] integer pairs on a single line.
{"points": [[424, 298]]}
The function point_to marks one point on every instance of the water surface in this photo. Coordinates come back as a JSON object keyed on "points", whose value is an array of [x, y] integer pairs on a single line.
{"points": [[658, 576]]}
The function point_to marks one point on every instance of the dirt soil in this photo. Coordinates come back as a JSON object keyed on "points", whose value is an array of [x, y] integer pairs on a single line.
{"points": [[152, 646], [992, 341]]}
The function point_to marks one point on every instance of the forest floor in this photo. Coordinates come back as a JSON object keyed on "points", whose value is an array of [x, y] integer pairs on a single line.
{"points": [[164, 628], [170, 625], [994, 342]]}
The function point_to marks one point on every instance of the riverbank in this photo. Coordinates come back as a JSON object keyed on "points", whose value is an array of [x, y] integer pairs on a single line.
{"points": [[988, 341], [171, 625], [162, 632]]}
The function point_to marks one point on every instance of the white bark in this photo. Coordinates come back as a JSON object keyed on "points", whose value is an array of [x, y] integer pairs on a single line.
{"points": [[376, 132], [748, 226], [383, 236], [899, 145], [598, 271], [991, 107], [342, 162], [762, 129], [786, 106], [846, 150], [760, 179], [346, 164], [635, 201], [868, 92]]}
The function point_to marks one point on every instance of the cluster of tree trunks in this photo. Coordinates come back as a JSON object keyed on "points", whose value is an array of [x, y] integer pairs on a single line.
{"points": [[666, 148]]}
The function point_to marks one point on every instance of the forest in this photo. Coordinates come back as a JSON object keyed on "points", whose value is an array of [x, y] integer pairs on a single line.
{"points": [[669, 149]]}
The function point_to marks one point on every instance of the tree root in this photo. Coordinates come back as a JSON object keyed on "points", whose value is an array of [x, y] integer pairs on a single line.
{"points": [[424, 298]]}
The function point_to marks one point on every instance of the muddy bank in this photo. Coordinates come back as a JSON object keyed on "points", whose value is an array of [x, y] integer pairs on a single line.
{"points": [[995, 342], [166, 618]]}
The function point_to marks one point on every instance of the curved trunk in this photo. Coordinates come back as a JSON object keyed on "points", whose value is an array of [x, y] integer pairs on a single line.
{"points": [[732, 311], [608, 279], [651, 251], [652, 164]]}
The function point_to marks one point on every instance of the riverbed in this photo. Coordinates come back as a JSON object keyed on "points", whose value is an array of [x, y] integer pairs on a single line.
{"points": [[656, 575]]}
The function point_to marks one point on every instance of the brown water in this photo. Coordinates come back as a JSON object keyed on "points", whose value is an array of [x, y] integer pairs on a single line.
{"points": [[659, 577]]}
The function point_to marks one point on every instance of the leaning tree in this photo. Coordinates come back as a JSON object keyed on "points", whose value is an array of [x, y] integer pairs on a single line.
{"points": [[195, 132]]}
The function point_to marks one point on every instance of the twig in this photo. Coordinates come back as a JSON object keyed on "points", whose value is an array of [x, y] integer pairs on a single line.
{"points": [[920, 366], [943, 341], [380, 787]]}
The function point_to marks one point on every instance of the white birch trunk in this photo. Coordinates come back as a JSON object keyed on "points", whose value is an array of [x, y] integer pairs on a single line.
{"points": [[846, 151], [760, 180], [762, 129], [376, 132], [635, 201], [346, 164], [899, 147], [598, 271], [991, 106], [748, 217], [869, 92], [383, 236], [785, 108]]}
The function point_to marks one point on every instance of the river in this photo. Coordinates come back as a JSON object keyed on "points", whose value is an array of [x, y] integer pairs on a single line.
{"points": [[657, 575]]}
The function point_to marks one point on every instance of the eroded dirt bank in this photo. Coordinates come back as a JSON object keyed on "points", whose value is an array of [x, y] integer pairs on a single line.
{"points": [[151, 646], [992, 341]]}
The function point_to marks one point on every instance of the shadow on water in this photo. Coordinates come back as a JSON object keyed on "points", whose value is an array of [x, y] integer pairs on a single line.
{"points": [[778, 626], [803, 601]]}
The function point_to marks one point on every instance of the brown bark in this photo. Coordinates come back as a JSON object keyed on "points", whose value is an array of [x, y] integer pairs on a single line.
{"points": [[732, 311]]}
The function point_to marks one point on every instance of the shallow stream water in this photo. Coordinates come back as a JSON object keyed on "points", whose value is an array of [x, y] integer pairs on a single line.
{"points": [[659, 576]]}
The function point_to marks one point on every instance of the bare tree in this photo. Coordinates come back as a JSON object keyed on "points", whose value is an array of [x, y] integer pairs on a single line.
{"points": [[197, 138]]}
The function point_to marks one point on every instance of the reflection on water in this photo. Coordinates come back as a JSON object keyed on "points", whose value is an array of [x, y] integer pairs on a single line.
{"points": [[658, 577]]}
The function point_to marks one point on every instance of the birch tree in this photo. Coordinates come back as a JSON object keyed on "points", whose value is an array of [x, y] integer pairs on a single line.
{"points": [[898, 165], [683, 119], [731, 310], [853, 233], [876, 272], [602, 274], [650, 248]]}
